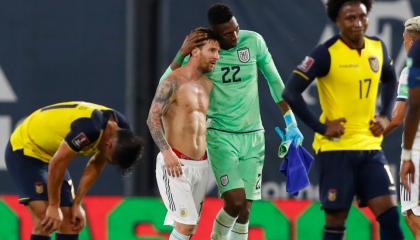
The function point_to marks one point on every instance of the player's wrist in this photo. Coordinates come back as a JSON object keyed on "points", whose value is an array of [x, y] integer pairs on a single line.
{"points": [[384, 121], [54, 205], [289, 118], [406, 154], [179, 58], [77, 199], [321, 128]]}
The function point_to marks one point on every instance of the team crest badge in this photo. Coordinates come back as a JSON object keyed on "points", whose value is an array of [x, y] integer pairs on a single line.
{"points": [[224, 180], [39, 187], [374, 64], [243, 55], [183, 212], [332, 195]]}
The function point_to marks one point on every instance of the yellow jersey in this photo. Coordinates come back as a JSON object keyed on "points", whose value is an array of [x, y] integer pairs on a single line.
{"points": [[348, 83], [80, 124]]}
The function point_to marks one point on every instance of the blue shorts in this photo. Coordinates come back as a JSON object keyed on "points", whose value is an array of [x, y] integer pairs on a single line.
{"points": [[31, 176], [345, 174]]}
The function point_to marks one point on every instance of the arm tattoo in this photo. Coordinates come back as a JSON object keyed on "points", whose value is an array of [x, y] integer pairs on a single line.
{"points": [[159, 106]]}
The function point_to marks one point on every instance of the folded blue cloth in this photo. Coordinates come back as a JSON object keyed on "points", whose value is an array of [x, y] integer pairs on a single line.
{"points": [[295, 167], [296, 164]]}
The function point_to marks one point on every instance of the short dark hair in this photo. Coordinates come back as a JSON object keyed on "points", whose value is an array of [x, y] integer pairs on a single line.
{"points": [[211, 35], [218, 14], [128, 150], [334, 6]]}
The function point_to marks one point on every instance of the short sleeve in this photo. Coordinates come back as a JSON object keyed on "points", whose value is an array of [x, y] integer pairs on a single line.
{"points": [[83, 132], [388, 72], [316, 64], [413, 64], [402, 86]]}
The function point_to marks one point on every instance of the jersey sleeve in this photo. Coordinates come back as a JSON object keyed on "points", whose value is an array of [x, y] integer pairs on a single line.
{"points": [[317, 64], [267, 67], [413, 64], [388, 84], [165, 74], [402, 86], [388, 72], [121, 120], [83, 132], [263, 55]]}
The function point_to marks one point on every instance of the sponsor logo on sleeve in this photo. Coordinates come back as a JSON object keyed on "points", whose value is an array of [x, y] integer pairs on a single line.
{"points": [[80, 141], [306, 64]]}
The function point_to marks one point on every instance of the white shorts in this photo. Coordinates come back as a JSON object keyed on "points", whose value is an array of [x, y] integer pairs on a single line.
{"points": [[410, 201], [183, 196]]}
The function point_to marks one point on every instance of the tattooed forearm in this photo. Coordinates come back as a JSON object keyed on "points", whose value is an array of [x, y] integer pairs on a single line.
{"points": [[159, 106], [156, 129]]}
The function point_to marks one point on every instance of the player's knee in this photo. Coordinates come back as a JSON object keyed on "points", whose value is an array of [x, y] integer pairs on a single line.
{"points": [[381, 204], [335, 217], [37, 230], [37, 210], [413, 223], [236, 206], [67, 227], [37, 227]]}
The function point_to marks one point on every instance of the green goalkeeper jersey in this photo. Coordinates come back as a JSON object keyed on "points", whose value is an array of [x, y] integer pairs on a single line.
{"points": [[234, 101]]}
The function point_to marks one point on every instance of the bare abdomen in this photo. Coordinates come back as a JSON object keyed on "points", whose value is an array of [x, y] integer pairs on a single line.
{"points": [[186, 132]]}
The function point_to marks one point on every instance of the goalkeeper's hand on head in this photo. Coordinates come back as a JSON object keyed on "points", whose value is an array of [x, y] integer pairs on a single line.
{"points": [[292, 131]]}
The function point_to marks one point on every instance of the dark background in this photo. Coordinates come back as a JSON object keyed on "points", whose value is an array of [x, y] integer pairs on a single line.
{"points": [[113, 53]]}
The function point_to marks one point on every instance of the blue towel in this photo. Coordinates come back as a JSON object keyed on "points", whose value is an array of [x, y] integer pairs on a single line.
{"points": [[295, 167]]}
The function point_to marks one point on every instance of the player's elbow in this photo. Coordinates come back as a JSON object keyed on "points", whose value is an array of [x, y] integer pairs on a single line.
{"points": [[153, 121]]}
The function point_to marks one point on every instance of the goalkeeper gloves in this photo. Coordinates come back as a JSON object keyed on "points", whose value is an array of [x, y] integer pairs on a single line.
{"points": [[292, 131]]}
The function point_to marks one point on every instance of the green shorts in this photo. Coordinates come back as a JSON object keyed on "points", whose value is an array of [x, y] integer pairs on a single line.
{"points": [[237, 161]]}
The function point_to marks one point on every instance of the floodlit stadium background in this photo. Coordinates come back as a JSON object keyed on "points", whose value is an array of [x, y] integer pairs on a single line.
{"points": [[113, 53]]}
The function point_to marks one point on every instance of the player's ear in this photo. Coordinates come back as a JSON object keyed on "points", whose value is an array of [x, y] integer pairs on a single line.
{"points": [[195, 51], [412, 40], [109, 143]]}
